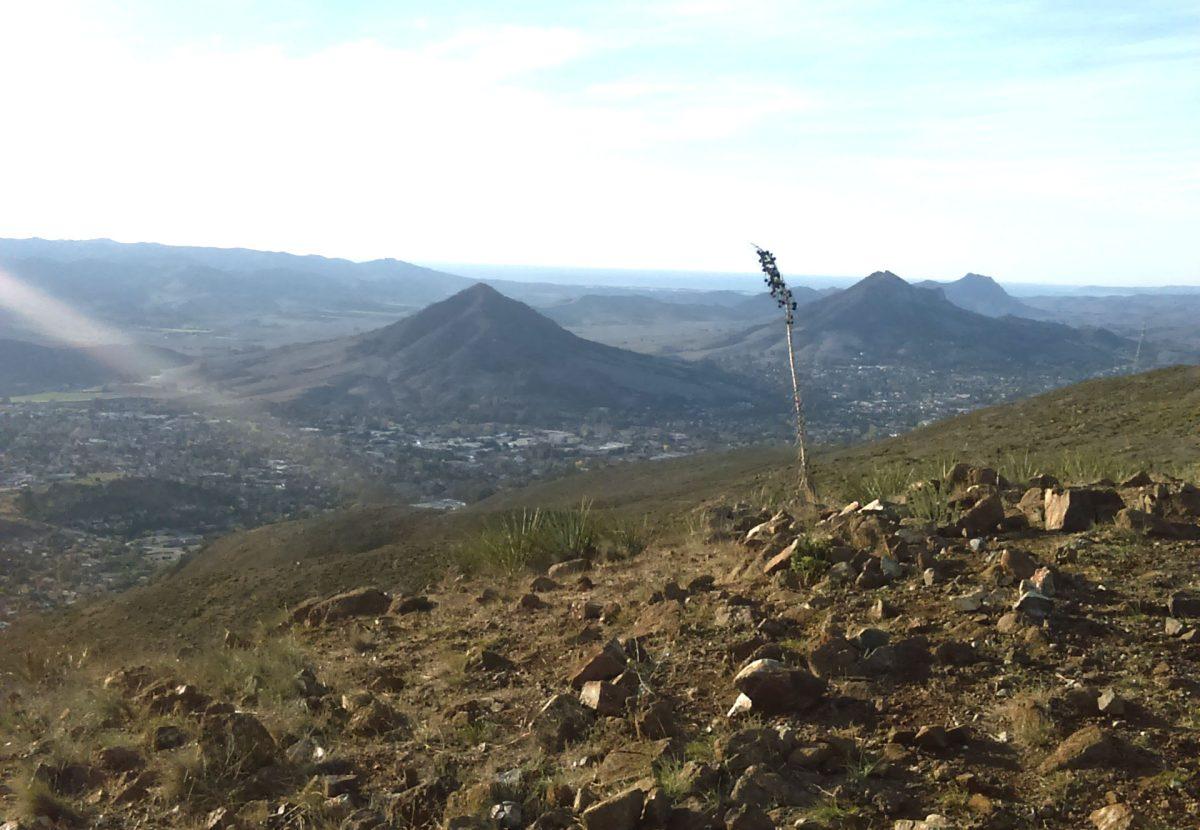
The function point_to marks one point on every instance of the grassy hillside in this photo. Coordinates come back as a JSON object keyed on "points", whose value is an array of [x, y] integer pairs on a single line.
{"points": [[1103, 427]]}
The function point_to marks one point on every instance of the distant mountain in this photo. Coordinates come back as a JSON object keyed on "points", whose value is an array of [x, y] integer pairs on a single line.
{"points": [[885, 320], [28, 368], [478, 356], [159, 287], [983, 295]]}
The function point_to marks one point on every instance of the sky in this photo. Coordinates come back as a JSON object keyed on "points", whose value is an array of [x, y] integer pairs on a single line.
{"points": [[1032, 141]]}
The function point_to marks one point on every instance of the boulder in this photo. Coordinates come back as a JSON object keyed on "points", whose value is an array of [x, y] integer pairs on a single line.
{"points": [[410, 605], [773, 688], [361, 602], [1139, 521], [983, 516], [1076, 509], [1033, 506], [621, 812]]}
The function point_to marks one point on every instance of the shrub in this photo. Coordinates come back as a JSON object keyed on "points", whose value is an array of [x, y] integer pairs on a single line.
{"points": [[534, 539]]}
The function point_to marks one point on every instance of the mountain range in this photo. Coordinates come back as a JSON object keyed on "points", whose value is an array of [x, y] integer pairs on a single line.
{"points": [[477, 356], [884, 320]]}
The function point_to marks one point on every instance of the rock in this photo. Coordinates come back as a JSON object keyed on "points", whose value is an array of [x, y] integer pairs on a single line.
{"points": [[657, 721], [833, 656], [1183, 605], [932, 738], [1139, 521], [411, 605], [1115, 817], [983, 516], [1077, 508], [236, 738], [976, 545], [1033, 506], [1043, 582], [621, 812], [781, 561], [120, 759], [610, 699], [487, 660], [751, 747], [656, 810], [361, 602], [882, 610], [507, 815], [773, 688], [1173, 627], [569, 567], [168, 737], [531, 602], [604, 664], [1034, 604], [562, 720], [376, 718], [1017, 563], [541, 584], [968, 603], [1089, 747], [869, 639], [762, 787], [1110, 703], [334, 785]]}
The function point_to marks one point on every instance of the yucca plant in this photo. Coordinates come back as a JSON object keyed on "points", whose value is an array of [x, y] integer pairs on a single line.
{"points": [[783, 298]]}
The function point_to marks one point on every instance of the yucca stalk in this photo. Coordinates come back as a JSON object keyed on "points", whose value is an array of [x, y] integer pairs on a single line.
{"points": [[783, 298]]}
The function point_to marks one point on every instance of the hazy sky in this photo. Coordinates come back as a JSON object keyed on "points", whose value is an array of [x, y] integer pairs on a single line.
{"points": [[1031, 141]]}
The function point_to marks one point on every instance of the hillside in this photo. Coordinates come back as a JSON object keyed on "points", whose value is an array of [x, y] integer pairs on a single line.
{"points": [[973, 653], [27, 368], [1113, 426], [884, 320], [481, 357], [983, 295]]}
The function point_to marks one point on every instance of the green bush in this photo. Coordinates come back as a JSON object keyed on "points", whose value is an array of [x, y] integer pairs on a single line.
{"points": [[533, 539]]}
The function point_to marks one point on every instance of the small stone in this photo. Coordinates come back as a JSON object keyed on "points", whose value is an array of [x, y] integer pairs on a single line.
{"points": [[882, 610], [541, 584], [1110, 703], [507, 815], [968, 603], [929, 576]]}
